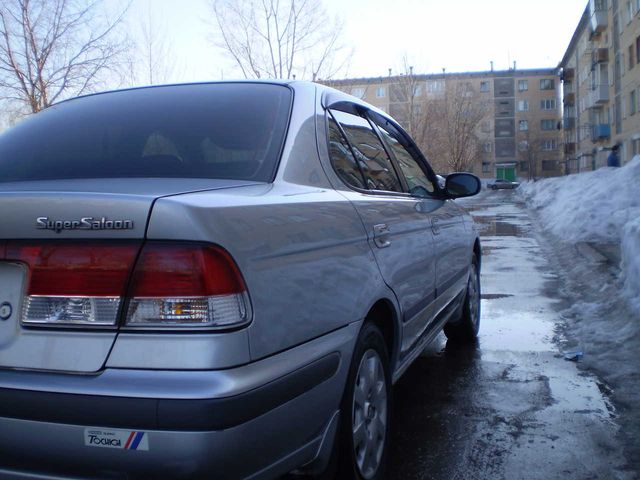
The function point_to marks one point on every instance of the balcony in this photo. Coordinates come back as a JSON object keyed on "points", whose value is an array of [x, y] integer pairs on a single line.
{"points": [[569, 123], [598, 96], [600, 131], [599, 55], [570, 148], [568, 74], [598, 12], [569, 99]]}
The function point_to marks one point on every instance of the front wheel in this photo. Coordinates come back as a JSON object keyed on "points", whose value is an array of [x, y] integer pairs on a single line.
{"points": [[465, 328], [365, 410]]}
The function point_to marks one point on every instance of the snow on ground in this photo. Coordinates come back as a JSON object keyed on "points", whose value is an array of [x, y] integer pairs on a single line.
{"points": [[601, 207], [598, 209]]}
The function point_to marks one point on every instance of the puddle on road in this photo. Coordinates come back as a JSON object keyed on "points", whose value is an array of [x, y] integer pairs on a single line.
{"points": [[496, 227], [494, 296]]}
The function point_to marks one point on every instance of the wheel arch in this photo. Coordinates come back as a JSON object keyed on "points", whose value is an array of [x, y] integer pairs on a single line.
{"points": [[384, 315], [477, 250]]}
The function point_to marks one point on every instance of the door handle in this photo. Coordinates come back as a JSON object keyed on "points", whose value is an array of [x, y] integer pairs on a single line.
{"points": [[381, 235], [435, 228]]}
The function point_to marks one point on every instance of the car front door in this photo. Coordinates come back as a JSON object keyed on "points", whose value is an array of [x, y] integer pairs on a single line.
{"points": [[398, 224], [447, 227]]}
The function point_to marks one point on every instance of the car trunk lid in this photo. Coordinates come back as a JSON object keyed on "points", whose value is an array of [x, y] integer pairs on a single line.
{"points": [[91, 229]]}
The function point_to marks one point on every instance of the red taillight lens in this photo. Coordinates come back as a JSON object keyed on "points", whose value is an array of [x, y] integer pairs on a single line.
{"points": [[166, 270], [74, 284], [94, 270], [186, 285]]}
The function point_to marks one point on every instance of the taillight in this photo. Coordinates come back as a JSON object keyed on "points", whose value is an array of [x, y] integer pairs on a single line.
{"points": [[186, 285], [74, 284]]}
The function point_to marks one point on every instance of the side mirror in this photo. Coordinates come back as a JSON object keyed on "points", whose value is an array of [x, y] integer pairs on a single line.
{"points": [[462, 185]]}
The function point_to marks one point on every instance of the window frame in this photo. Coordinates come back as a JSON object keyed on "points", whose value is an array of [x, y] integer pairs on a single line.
{"points": [[401, 179], [372, 118], [411, 151]]}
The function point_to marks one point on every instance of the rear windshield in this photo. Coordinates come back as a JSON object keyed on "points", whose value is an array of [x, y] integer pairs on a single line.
{"points": [[229, 131]]}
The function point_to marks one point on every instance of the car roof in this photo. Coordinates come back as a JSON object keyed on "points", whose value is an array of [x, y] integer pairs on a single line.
{"points": [[258, 81]]}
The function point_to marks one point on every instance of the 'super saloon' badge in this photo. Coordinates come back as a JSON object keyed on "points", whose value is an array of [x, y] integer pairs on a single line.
{"points": [[121, 439], [85, 223]]}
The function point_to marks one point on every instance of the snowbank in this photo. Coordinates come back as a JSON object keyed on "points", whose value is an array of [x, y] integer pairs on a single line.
{"points": [[601, 206], [631, 261]]}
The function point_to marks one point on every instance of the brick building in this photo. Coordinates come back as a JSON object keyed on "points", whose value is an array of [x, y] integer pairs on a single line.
{"points": [[601, 85], [519, 134]]}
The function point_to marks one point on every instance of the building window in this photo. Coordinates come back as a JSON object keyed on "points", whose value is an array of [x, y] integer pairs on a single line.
{"points": [[435, 86], [357, 92], [548, 104], [524, 166], [523, 125], [633, 104], [485, 126], [637, 48], [486, 167], [547, 84], [523, 105], [484, 86], [487, 147], [417, 90], [548, 165], [523, 85], [629, 11], [632, 60], [548, 145], [523, 146], [380, 92], [547, 124]]}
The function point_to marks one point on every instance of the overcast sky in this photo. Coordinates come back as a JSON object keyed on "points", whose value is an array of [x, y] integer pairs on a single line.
{"points": [[459, 35]]}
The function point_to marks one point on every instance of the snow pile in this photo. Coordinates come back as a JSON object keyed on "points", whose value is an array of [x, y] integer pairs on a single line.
{"points": [[601, 206], [631, 260]]}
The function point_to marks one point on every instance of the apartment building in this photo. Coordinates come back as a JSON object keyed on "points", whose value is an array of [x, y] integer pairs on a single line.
{"points": [[518, 136], [600, 76]]}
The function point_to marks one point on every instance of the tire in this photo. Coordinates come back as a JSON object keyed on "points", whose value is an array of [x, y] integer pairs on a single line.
{"points": [[465, 329], [365, 414]]}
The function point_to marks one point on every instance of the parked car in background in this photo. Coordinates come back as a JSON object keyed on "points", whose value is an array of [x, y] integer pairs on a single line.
{"points": [[502, 184], [219, 280]]}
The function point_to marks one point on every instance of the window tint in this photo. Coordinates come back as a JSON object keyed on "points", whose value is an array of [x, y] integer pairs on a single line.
{"points": [[373, 159], [342, 159], [416, 178], [229, 130]]}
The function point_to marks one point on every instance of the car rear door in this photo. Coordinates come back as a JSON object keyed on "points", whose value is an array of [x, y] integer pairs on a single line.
{"points": [[398, 224]]}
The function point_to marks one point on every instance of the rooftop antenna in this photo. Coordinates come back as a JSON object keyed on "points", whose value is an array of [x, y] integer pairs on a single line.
{"points": [[389, 72], [491, 62], [514, 65], [410, 70]]}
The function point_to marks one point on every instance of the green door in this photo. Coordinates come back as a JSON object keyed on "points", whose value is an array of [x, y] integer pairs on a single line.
{"points": [[510, 173], [506, 173]]}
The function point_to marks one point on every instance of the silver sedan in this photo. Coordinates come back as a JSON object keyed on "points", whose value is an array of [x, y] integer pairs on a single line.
{"points": [[219, 279]]}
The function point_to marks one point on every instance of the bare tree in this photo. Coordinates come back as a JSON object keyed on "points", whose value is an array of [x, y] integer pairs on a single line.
{"points": [[52, 49], [151, 60], [530, 152], [280, 38]]}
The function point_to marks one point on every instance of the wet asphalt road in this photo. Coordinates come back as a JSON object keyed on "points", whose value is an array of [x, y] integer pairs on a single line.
{"points": [[510, 407]]}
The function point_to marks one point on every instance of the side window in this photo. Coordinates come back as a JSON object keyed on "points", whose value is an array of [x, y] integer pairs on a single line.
{"points": [[374, 162], [342, 159], [419, 183]]}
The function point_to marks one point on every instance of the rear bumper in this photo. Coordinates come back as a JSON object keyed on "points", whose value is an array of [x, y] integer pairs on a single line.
{"points": [[255, 421]]}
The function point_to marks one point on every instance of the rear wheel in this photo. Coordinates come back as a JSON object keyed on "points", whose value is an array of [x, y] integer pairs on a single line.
{"points": [[465, 328], [365, 409]]}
